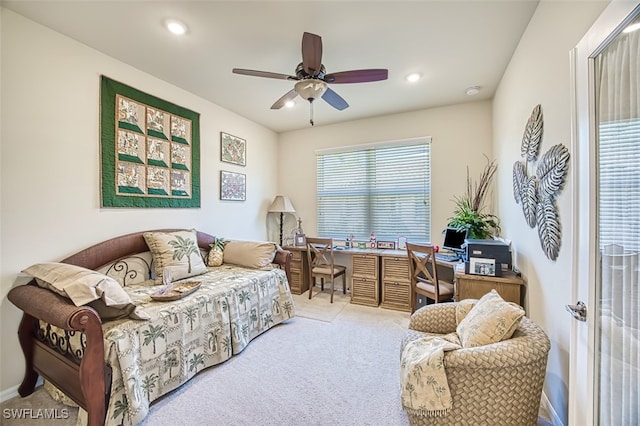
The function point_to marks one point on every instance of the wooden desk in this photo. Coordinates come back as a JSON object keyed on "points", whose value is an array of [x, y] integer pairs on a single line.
{"points": [[509, 286], [378, 276]]}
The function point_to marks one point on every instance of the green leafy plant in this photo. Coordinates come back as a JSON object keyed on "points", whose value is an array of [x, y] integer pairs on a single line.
{"points": [[468, 213]]}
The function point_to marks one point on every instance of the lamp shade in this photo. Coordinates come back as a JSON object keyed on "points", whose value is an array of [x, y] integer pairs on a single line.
{"points": [[281, 204]]}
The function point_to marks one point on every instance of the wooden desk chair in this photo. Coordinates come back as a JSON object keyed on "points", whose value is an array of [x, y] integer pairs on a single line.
{"points": [[423, 274], [321, 264]]}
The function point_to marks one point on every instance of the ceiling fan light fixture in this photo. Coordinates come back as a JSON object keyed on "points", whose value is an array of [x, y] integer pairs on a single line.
{"points": [[175, 26], [310, 89]]}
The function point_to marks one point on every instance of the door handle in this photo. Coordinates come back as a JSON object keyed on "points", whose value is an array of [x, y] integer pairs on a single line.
{"points": [[578, 311]]}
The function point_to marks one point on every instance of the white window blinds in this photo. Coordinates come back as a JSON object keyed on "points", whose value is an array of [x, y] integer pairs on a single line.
{"points": [[385, 189], [619, 209]]}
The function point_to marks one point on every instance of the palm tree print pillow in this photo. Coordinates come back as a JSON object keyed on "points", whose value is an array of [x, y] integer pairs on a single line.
{"points": [[177, 251]]}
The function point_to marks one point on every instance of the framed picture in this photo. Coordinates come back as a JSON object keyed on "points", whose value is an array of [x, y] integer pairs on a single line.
{"points": [[233, 186], [386, 245], [402, 243], [481, 266], [233, 149], [150, 150], [301, 240]]}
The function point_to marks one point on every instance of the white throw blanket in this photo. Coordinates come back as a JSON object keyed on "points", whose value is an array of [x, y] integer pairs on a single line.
{"points": [[425, 390]]}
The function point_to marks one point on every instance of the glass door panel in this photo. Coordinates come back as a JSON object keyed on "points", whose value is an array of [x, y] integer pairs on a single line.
{"points": [[618, 230]]}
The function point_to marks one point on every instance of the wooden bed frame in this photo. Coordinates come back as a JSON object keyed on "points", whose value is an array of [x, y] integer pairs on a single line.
{"points": [[83, 377]]}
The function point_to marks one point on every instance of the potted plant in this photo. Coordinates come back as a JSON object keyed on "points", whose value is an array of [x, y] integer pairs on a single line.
{"points": [[468, 213]]}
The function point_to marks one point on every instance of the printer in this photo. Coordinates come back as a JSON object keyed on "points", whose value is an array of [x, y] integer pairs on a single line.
{"points": [[489, 249]]}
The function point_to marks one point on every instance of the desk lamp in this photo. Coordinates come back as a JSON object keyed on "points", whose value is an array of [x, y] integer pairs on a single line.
{"points": [[281, 204]]}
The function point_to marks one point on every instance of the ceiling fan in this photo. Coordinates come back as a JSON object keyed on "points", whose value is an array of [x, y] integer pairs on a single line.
{"points": [[312, 78]]}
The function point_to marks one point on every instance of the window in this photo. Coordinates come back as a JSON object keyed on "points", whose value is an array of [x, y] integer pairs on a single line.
{"points": [[381, 188], [619, 207]]}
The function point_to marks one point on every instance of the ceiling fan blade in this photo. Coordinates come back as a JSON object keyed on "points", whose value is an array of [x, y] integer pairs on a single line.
{"points": [[311, 53], [334, 99], [357, 76], [266, 74], [289, 96]]}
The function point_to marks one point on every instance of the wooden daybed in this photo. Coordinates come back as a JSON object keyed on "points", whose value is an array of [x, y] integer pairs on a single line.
{"points": [[73, 349]]}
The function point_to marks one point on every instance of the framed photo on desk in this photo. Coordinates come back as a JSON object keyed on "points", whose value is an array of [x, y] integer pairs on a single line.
{"points": [[300, 240], [481, 266]]}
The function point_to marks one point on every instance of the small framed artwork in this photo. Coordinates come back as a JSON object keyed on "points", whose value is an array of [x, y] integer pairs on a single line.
{"points": [[233, 149], [402, 243], [481, 266], [386, 245], [233, 186], [300, 240]]}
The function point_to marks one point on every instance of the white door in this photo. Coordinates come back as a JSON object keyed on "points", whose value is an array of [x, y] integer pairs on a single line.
{"points": [[605, 354]]}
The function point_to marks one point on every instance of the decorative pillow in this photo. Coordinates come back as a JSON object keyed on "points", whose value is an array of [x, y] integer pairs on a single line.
{"points": [[251, 254], [177, 251], [86, 287], [463, 308], [215, 257], [491, 320]]}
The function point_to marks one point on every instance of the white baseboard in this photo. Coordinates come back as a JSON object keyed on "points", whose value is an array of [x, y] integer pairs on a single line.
{"points": [[547, 411], [12, 392], [8, 393]]}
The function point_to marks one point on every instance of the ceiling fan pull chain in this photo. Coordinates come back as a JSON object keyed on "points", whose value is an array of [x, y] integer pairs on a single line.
{"points": [[311, 111]]}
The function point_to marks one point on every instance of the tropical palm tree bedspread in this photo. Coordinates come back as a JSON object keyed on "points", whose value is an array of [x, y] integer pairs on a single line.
{"points": [[151, 358]]}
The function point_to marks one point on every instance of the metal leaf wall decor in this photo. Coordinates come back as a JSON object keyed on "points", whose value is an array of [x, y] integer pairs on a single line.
{"points": [[529, 197], [552, 170], [519, 178], [549, 227], [537, 193], [532, 135]]}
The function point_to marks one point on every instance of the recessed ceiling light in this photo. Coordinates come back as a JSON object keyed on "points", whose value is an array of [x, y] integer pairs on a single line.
{"points": [[473, 90], [290, 104], [413, 77], [176, 27], [631, 28]]}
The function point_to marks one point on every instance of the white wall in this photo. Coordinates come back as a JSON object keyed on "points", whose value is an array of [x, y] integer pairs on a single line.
{"points": [[461, 134], [539, 74], [50, 177]]}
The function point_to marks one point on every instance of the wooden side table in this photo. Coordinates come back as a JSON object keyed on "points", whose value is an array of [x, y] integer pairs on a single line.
{"points": [[509, 286]]}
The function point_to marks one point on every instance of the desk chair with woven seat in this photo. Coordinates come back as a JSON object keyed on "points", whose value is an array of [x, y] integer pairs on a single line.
{"points": [[423, 274], [321, 264]]}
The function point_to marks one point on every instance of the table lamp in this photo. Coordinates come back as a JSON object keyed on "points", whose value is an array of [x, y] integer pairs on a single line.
{"points": [[281, 204]]}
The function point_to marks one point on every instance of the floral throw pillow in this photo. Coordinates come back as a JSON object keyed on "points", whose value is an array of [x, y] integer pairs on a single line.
{"points": [[491, 320], [177, 252]]}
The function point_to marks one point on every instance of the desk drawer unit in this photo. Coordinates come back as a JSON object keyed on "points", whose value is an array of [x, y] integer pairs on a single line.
{"points": [[299, 280], [364, 280], [396, 287]]}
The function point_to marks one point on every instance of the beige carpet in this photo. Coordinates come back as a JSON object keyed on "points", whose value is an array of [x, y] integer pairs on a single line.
{"points": [[320, 306], [333, 364], [318, 362]]}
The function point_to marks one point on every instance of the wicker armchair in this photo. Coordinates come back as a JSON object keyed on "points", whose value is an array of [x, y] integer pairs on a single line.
{"points": [[497, 384]]}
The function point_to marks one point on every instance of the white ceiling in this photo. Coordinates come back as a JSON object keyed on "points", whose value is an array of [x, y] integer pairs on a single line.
{"points": [[453, 44]]}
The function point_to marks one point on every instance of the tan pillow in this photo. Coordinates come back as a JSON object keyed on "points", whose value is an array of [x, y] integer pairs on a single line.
{"points": [[86, 287], [177, 251], [251, 254], [491, 320], [463, 308]]}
